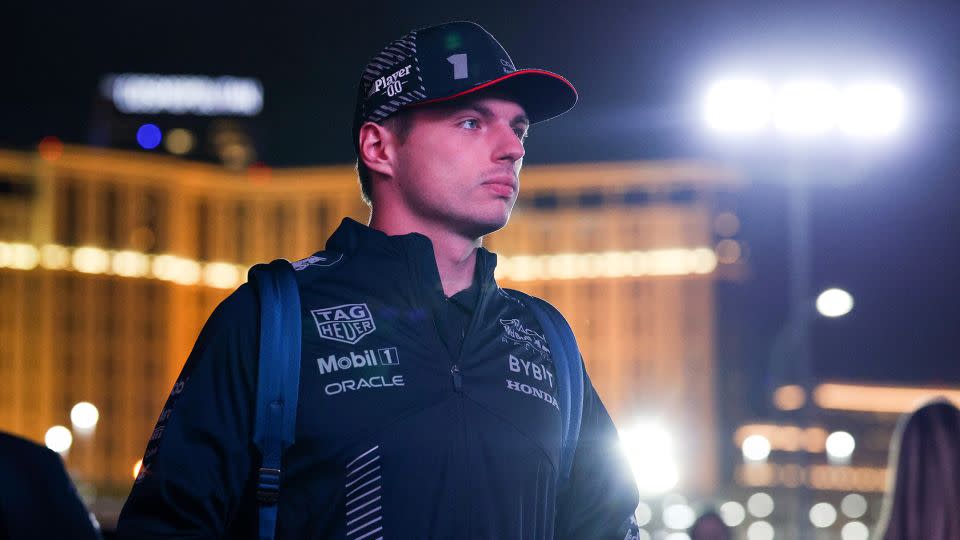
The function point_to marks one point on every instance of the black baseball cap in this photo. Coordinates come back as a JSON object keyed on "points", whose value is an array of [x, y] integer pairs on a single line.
{"points": [[447, 61]]}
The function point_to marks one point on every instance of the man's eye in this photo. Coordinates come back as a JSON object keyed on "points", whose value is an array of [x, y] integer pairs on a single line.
{"points": [[521, 134], [471, 123]]}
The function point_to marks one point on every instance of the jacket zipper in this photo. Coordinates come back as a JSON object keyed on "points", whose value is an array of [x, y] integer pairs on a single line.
{"points": [[457, 378]]}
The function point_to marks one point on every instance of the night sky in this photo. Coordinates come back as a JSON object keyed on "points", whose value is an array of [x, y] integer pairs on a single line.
{"points": [[885, 219]]}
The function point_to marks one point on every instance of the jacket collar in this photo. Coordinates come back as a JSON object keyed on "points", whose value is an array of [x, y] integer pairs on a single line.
{"points": [[352, 236]]}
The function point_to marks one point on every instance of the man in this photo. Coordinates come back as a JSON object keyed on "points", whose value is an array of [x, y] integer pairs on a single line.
{"points": [[428, 403]]}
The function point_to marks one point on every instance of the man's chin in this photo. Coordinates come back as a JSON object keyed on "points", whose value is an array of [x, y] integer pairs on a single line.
{"points": [[481, 228]]}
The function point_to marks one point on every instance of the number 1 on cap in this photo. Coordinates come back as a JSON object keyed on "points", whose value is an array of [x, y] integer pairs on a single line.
{"points": [[459, 62]]}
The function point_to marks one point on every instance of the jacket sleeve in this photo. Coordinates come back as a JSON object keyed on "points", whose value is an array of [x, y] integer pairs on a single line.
{"points": [[197, 467], [599, 500]]}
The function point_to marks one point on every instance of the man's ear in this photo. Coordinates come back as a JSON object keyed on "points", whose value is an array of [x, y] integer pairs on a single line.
{"points": [[376, 148]]}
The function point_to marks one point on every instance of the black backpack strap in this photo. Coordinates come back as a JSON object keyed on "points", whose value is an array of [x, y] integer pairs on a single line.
{"points": [[278, 380]]}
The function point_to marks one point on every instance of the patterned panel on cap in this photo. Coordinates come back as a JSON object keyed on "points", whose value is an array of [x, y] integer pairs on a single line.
{"points": [[394, 54]]}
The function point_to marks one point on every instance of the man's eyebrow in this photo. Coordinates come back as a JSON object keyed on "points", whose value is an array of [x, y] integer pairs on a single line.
{"points": [[487, 113], [521, 119]]}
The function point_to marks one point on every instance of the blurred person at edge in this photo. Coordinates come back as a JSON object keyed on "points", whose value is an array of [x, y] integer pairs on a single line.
{"points": [[37, 498], [923, 499], [709, 526]]}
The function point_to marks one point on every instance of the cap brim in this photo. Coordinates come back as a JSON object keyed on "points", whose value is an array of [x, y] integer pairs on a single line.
{"points": [[542, 94]]}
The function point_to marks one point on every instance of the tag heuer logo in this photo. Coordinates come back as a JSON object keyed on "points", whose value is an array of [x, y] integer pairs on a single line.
{"points": [[346, 324]]}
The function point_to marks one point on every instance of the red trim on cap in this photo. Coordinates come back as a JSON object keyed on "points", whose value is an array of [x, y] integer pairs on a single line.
{"points": [[495, 81]]}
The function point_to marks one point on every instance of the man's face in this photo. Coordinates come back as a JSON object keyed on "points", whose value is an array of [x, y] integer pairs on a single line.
{"points": [[458, 167]]}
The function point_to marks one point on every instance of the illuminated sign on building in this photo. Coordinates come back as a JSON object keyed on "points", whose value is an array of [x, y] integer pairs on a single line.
{"points": [[139, 93]]}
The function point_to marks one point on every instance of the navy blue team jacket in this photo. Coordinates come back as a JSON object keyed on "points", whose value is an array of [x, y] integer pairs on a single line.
{"points": [[398, 435]]}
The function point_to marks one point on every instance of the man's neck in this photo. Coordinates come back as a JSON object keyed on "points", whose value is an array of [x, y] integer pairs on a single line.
{"points": [[456, 255]]}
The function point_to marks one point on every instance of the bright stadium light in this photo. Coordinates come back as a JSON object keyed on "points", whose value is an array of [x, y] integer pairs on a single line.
{"points": [[760, 505], [738, 105], [834, 303], [679, 516], [58, 439], [760, 530], [855, 530], [756, 448], [823, 515], [649, 449], [732, 513], [806, 107], [872, 109], [840, 446], [854, 505], [84, 417]]}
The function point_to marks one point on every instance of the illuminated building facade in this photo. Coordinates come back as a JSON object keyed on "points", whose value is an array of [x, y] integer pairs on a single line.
{"points": [[111, 261]]}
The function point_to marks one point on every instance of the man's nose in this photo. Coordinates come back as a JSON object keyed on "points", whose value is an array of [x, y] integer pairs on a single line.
{"points": [[509, 146]]}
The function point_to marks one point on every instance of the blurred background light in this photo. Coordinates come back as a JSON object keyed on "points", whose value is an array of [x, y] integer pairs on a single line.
{"points": [[760, 530], [840, 446], [834, 303], [91, 260], [760, 505], [872, 109], [142, 238], [259, 172], [855, 530], [136, 468], [671, 499], [806, 107], [732, 513], [728, 251], [179, 141], [677, 536], [756, 448], [823, 515], [877, 398], [59, 439], [50, 148], [84, 416], [221, 275], [678, 516], [854, 505], [789, 397], [149, 136], [142, 93], [643, 514], [19, 256], [607, 264], [649, 449], [130, 264], [726, 224], [738, 105], [54, 257], [176, 269]]}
